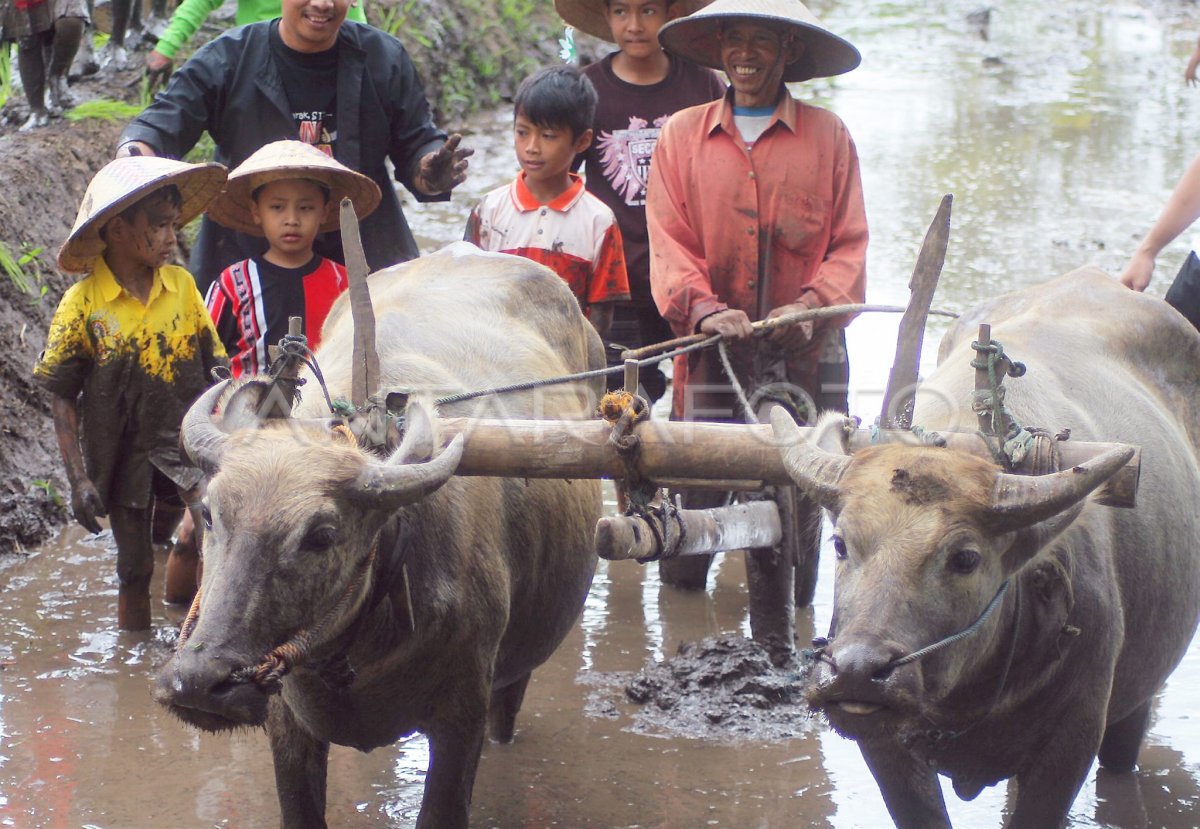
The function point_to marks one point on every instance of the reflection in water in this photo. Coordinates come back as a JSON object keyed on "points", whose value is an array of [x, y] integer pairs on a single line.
{"points": [[1059, 137]]}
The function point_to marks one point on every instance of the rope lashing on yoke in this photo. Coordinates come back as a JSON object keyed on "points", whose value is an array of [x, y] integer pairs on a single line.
{"points": [[1014, 440], [1015, 443], [624, 411]]}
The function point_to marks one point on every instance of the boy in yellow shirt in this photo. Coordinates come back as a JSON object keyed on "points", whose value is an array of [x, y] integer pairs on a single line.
{"points": [[130, 347]]}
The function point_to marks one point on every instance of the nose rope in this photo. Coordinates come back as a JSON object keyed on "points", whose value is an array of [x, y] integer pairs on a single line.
{"points": [[962, 634]]}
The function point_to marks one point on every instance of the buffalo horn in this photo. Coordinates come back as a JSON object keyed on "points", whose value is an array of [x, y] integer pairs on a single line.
{"points": [[203, 441], [420, 434], [817, 472], [1020, 501], [394, 485]]}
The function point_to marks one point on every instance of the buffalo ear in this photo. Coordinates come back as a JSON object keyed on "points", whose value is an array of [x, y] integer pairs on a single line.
{"points": [[253, 402]]}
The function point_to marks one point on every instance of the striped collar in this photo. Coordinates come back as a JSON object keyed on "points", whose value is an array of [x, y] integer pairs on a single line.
{"points": [[525, 201]]}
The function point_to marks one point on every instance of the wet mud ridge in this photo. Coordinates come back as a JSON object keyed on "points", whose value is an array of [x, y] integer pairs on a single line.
{"points": [[721, 688]]}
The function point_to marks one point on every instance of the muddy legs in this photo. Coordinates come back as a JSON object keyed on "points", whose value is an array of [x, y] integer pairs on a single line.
{"points": [[68, 34], [32, 66], [135, 565]]}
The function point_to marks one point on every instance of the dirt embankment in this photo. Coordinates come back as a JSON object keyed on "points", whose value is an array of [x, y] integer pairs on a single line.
{"points": [[471, 54]]}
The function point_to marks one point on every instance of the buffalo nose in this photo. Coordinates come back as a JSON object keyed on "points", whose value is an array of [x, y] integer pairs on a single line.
{"points": [[192, 682], [865, 658]]}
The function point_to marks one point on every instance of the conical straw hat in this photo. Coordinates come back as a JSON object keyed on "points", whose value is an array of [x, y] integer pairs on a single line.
{"points": [[697, 36], [126, 181], [291, 159], [591, 16]]}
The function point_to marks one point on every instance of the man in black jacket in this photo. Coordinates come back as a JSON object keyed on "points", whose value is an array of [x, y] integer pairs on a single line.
{"points": [[347, 88]]}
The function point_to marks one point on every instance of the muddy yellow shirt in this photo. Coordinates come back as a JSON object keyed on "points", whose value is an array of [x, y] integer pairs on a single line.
{"points": [[135, 369]]}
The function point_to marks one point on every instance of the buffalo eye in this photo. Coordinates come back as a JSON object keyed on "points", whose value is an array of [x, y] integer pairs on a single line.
{"points": [[964, 561], [839, 547], [206, 516], [321, 538]]}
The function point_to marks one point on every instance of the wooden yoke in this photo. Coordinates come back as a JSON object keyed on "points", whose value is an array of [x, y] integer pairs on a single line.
{"points": [[674, 453]]}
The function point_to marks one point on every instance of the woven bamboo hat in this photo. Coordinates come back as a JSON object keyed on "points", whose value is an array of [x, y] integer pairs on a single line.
{"points": [[291, 159], [697, 36], [591, 16], [126, 181]]}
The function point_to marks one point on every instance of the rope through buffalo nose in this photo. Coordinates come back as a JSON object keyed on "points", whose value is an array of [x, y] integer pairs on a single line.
{"points": [[962, 634]]}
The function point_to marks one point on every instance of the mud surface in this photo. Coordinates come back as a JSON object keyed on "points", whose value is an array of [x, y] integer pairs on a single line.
{"points": [[721, 687]]}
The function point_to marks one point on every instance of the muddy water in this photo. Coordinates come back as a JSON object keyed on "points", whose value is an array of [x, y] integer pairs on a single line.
{"points": [[1059, 137]]}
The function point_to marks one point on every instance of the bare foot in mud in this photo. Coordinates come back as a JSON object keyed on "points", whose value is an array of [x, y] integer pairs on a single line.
{"points": [[112, 56], [37, 118], [85, 63], [58, 96]]}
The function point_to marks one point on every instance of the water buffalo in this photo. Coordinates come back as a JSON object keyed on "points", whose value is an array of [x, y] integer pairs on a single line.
{"points": [[401, 598], [1101, 604]]}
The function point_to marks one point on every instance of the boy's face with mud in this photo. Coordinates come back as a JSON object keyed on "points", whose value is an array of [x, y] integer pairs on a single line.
{"points": [[146, 234]]}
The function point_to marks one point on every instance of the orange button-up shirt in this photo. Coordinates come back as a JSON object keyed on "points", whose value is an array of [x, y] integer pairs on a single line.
{"points": [[754, 229]]}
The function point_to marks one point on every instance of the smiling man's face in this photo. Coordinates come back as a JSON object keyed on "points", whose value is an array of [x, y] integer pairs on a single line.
{"points": [[755, 58], [312, 25]]}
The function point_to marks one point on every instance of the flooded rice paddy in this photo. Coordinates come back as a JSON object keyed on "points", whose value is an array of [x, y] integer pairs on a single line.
{"points": [[1060, 135]]}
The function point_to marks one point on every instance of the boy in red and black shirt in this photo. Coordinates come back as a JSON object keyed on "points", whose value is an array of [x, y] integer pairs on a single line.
{"points": [[546, 214], [287, 191]]}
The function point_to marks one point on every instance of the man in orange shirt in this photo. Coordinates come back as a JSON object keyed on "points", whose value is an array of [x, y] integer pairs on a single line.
{"points": [[755, 210]]}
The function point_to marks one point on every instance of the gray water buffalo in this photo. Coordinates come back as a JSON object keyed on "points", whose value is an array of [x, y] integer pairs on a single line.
{"points": [[353, 599], [1100, 604]]}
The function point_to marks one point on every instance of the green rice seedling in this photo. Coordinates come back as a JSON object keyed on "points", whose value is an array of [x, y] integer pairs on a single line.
{"points": [[104, 109]]}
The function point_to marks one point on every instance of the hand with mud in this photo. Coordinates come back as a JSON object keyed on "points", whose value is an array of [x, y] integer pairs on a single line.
{"points": [[443, 170], [731, 324], [86, 505], [158, 70], [794, 336]]}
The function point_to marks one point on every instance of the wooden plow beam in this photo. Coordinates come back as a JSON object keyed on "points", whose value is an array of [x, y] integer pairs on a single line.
{"points": [[719, 456], [695, 532]]}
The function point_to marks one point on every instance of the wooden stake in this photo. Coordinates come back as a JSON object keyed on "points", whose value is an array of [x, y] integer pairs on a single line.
{"points": [[365, 361], [901, 391]]}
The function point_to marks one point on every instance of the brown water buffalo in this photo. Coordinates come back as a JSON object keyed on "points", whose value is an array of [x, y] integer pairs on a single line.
{"points": [[408, 600], [1102, 602]]}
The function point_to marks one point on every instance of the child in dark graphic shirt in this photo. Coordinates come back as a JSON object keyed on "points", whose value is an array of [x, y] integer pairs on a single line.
{"points": [[639, 87], [288, 192], [129, 349]]}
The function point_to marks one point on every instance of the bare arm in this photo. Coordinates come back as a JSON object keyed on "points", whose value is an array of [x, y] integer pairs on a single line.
{"points": [[1181, 210], [85, 500], [1189, 75]]}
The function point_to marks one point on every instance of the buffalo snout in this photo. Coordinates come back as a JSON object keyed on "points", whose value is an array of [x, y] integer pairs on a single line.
{"points": [[857, 682], [207, 691]]}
